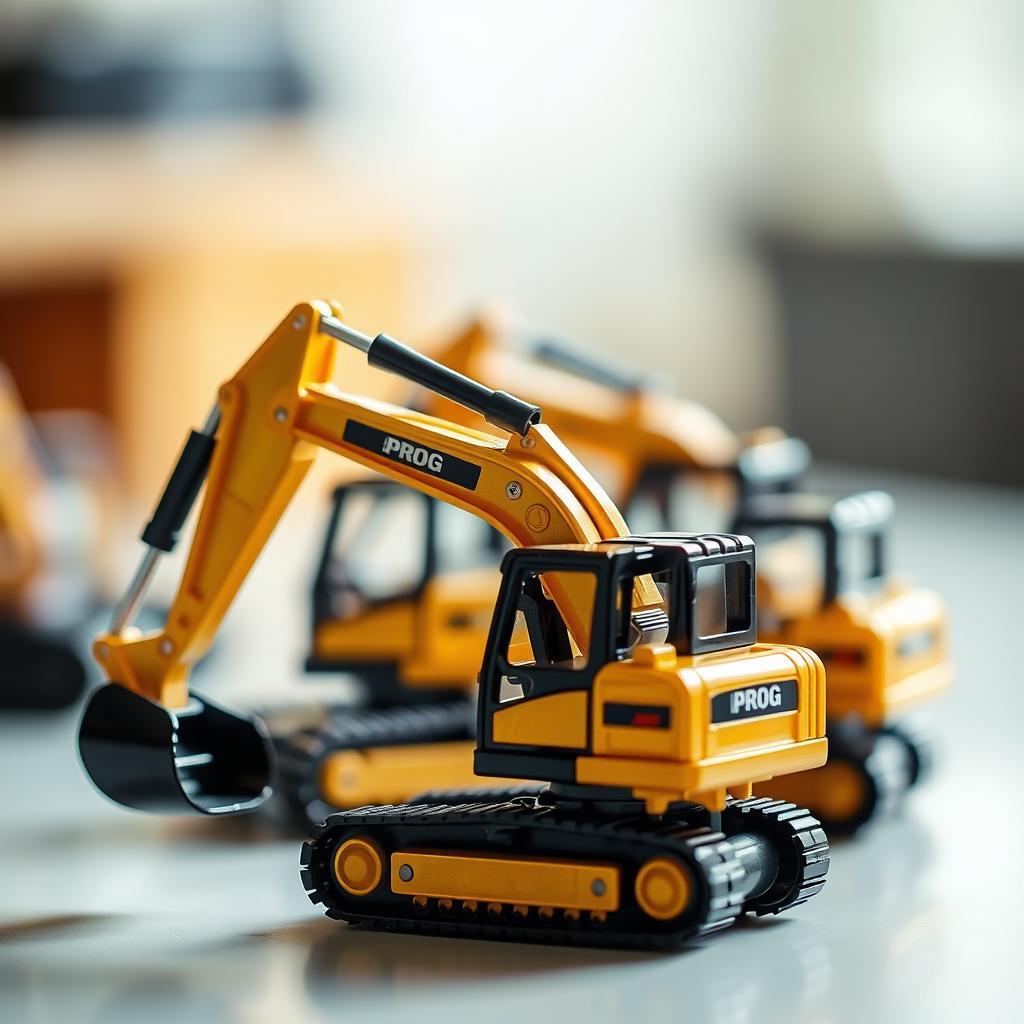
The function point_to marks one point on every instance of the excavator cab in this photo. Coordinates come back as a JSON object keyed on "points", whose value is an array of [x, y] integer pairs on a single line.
{"points": [[404, 583], [546, 694], [883, 641], [665, 495]]}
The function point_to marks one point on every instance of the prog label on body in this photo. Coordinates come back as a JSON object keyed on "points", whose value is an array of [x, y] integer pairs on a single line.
{"points": [[754, 701]]}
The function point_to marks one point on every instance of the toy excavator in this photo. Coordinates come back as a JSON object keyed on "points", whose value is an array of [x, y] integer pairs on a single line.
{"points": [[40, 668], [883, 640], [595, 678], [662, 457], [886, 650]]}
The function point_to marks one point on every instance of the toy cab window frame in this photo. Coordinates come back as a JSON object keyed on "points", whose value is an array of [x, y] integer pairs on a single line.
{"points": [[682, 565], [830, 528], [325, 589]]}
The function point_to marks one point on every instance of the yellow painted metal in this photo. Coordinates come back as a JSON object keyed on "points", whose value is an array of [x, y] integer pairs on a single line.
{"points": [[694, 758], [877, 683], [556, 720], [527, 881], [625, 430], [380, 775], [836, 790]]}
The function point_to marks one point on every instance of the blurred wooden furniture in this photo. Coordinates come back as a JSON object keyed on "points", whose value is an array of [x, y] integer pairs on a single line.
{"points": [[137, 270]]}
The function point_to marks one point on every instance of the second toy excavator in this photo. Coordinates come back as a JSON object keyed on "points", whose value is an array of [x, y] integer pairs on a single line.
{"points": [[412, 630], [824, 581], [596, 679], [672, 463]]}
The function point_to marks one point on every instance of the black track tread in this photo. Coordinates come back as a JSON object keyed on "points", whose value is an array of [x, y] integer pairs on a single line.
{"points": [[917, 737], [800, 843], [300, 754], [704, 850]]}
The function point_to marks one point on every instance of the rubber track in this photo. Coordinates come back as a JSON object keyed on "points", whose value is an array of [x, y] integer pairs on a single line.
{"points": [[800, 843], [702, 848], [300, 754]]}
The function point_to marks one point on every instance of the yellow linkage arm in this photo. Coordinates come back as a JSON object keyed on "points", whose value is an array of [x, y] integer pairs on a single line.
{"points": [[274, 414]]}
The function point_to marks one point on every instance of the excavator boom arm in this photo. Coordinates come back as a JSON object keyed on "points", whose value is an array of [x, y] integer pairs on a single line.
{"points": [[274, 415]]}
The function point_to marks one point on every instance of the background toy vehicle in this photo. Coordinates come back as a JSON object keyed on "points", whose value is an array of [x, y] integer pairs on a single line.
{"points": [[664, 459], [596, 678], [886, 651], [39, 603], [402, 601], [884, 643], [666, 456]]}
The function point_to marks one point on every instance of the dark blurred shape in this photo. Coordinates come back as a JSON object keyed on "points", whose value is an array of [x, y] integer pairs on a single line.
{"points": [[901, 358], [69, 65]]}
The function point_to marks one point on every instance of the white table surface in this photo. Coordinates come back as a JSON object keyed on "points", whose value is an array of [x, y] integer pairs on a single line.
{"points": [[107, 915]]}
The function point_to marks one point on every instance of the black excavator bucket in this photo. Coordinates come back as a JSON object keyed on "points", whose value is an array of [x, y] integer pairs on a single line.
{"points": [[200, 758]]}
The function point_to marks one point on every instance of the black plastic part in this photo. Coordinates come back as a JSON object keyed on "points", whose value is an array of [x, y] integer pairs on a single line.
{"points": [[198, 759], [179, 495], [497, 407], [864, 512], [915, 736], [38, 672], [603, 370], [800, 845]]}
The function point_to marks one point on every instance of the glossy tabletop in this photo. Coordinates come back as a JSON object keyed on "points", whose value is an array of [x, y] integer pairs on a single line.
{"points": [[110, 916]]}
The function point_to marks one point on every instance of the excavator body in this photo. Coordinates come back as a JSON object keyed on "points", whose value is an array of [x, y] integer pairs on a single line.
{"points": [[399, 616], [670, 463]]}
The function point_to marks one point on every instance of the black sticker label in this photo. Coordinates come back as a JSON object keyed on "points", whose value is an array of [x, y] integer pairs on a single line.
{"points": [[640, 716], [400, 449], [754, 701]]}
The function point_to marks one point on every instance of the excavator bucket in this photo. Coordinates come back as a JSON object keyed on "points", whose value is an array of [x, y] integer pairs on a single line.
{"points": [[200, 758]]}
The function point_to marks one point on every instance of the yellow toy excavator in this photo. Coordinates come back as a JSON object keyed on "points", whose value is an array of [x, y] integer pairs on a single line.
{"points": [[40, 668], [884, 640], [662, 457], [601, 677]]}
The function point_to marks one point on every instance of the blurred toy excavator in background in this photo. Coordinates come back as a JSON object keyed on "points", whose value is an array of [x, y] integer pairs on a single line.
{"points": [[45, 587], [597, 678], [673, 464], [409, 620], [883, 640], [663, 458]]}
